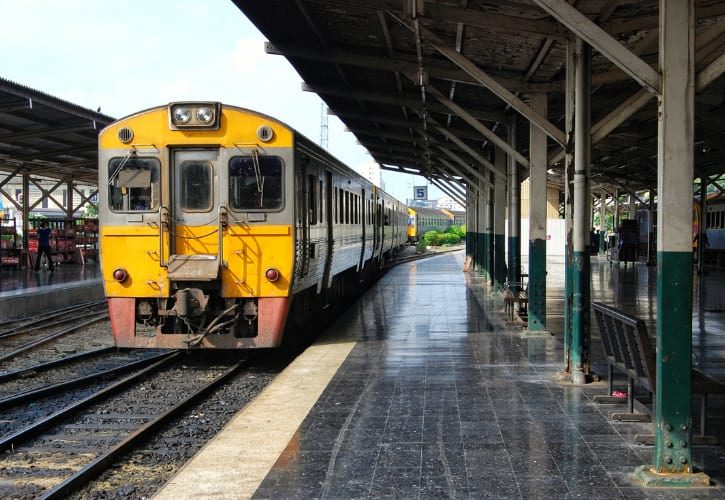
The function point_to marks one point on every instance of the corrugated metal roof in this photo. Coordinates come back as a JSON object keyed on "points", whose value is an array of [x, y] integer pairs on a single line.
{"points": [[46, 136], [388, 74]]}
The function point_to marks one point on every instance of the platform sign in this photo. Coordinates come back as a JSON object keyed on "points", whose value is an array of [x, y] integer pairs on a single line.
{"points": [[420, 192]]}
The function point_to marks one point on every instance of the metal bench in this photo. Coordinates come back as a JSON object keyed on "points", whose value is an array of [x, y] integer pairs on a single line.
{"points": [[628, 349]]}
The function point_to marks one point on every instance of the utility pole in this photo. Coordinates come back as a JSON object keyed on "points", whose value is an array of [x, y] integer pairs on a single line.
{"points": [[324, 127]]}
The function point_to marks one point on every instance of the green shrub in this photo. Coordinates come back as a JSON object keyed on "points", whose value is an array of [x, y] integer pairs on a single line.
{"points": [[451, 239], [429, 237], [457, 231], [420, 247]]}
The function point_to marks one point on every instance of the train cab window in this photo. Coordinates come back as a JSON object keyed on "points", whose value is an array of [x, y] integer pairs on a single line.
{"points": [[255, 183], [133, 184]]}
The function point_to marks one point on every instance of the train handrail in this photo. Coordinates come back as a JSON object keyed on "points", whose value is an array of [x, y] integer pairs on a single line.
{"points": [[222, 219], [163, 221]]}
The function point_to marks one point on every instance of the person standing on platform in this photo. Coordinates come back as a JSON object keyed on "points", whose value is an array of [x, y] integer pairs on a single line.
{"points": [[44, 246]]}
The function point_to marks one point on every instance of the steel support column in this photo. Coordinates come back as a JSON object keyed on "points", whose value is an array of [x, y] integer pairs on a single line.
{"points": [[482, 222], [489, 231], [514, 239], [673, 399], [471, 236], [499, 222], [569, 100], [537, 220], [602, 222], [615, 220], [579, 356]]}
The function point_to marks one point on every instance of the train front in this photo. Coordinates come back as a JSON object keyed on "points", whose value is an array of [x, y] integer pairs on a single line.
{"points": [[196, 216]]}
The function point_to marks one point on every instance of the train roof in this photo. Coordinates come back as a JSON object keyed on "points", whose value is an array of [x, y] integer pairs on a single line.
{"points": [[431, 212]]}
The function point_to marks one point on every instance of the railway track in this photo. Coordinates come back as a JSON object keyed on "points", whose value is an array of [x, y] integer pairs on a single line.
{"points": [[60, 452], [18, 326], [54, 335]]}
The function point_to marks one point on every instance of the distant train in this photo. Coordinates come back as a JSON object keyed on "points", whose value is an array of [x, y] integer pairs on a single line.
{"points": [[715, 224], [422, 220], [220, 225]]}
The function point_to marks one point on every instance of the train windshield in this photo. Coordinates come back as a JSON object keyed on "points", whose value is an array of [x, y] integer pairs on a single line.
{"points": [[255, 183], [133, 184]]}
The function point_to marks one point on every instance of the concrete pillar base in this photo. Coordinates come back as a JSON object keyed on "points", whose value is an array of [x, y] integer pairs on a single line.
{"points": [[648, 477]]}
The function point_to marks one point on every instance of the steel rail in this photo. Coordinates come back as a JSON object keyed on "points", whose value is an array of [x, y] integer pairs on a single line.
{"points": [[98, 465], [31, 345], [36, 428], [19, 323], [33, 394], [6, 376]]}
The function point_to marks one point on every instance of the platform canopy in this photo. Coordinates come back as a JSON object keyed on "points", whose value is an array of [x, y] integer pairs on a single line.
{"points": [[44, 136], [428, 86]]}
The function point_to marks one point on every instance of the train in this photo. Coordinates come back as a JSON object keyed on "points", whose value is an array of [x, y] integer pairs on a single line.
{"points": [[421, 220], [220, 226], [715, 229]]}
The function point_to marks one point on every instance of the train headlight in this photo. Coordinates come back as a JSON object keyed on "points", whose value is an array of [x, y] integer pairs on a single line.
{"points": [[204, 115], [120, 274], [181, 115], [271, 274], [194, 115]]}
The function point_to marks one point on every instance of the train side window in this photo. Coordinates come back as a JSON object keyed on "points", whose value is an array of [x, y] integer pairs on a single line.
{"points": [[133, 184], [342, 206], [322, 205], [256, 183]]}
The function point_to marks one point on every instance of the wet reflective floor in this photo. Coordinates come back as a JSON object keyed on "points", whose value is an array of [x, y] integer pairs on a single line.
{"points": [[442, 397]]}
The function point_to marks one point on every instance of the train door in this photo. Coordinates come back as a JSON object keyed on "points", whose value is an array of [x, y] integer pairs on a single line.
{"points": [[361, 220], [329, 209], [302, 240], [194, 225]]}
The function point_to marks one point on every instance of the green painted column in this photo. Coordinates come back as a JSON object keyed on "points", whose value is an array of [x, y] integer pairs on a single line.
{"points": [[514, 270], [481, 252], [514, 205], [569, 96], [578, 356], [537, 285], [538, 164], [675, 169], [499, 245], [581, 275], [499, 222], [673, 425], [482, 218]]}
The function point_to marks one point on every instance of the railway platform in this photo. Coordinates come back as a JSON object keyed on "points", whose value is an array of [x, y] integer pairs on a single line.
{"points": [[425, 389], [24, 292]]}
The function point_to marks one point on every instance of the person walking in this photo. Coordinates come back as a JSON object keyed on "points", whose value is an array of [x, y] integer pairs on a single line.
{"points": [[44, 246]]}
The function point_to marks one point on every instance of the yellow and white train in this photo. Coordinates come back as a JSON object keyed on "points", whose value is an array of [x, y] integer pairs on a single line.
{"points": [[219, 225]]}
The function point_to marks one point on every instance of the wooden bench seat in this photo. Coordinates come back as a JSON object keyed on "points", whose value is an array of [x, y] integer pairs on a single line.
{"points": [[628, 349]]}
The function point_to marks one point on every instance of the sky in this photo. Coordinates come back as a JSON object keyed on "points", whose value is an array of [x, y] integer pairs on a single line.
{"points": [[123, 56]]}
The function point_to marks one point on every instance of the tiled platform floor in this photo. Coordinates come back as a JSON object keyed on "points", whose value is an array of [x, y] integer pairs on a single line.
{"points": [[24, 292], [443, 398], [20, 281]]}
